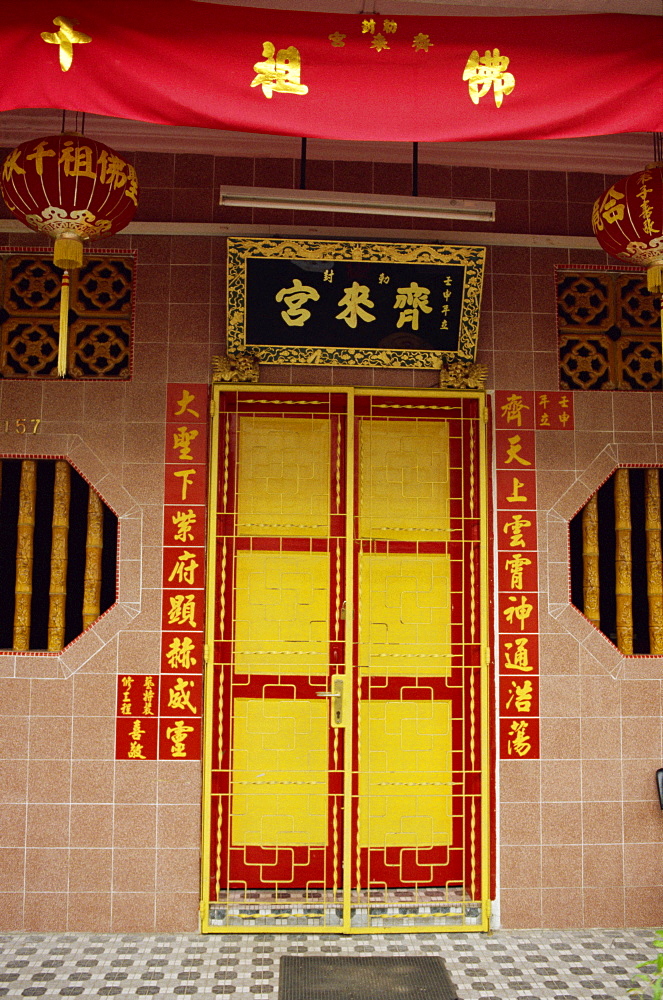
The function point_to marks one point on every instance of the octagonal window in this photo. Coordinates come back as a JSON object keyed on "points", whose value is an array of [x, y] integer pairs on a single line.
{"points": [[616, 571], [58, 554]]}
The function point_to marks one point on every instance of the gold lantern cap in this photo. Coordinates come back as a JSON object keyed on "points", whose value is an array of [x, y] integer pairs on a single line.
{"points": [[68, 251]]}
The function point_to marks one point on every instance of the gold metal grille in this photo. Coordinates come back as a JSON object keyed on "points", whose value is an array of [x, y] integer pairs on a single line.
{"points": [[346, 776]]}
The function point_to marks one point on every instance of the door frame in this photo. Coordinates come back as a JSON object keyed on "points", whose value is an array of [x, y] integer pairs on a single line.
{"points": [[487, 776]]}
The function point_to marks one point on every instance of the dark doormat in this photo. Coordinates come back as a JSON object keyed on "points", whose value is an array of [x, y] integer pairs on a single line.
{"points": [[374, 977]]}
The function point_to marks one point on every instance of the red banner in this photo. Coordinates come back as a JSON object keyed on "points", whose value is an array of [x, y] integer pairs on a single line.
{"points": [[336, 76]]}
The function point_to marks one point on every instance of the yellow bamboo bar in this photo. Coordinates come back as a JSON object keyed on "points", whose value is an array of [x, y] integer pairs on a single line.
{"points": [[590, 561], [60, 535], [654, 560], [24, 551], [623, 586], [93, 549]]}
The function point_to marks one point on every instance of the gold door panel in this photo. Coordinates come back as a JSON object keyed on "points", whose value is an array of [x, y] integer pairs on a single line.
{"points": [[283, 477], [404, 613], [279, 772], [282, 612], [405, 774], [403, 479]]}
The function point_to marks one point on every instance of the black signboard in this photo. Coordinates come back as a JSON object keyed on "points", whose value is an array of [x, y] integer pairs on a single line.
{"points": [[314, 302]]}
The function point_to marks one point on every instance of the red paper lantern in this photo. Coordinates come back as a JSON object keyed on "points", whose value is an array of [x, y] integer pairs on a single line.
{"points": [[628, 222], [72, 189]]}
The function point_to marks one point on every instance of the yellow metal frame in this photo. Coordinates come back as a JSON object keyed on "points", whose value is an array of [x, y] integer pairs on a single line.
{"points": [[485, 717]]}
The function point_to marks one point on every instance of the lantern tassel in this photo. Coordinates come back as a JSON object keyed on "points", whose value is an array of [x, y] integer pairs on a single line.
{"points": [[63, 339]]}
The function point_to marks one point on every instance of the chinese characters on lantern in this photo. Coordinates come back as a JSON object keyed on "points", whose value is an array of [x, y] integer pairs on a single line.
{"points": [[44, 160], [518, 415], [167, 724]]}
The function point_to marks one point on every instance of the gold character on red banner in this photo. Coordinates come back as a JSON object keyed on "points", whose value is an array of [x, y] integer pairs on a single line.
{"points": [[125, 707], [520, 696], [184, 570], [415, 298], [354, 299], [184, 404], [519, 741], [421, 42], [564, 417], [520, 612], [368, 26], [148, 696], [379, 42], [186, 475], [280, 72], [179, 696], [182, 439], [179, 654], [136, 747], [294, 298], [66, 38], [515, 566], [337, 39], [516, 496], [177, 734], [389, 26], [514, 450], [544, 420], [486, 71], [520, 659], [184, 521], [182, 610], [515, 527], [512, 410]]}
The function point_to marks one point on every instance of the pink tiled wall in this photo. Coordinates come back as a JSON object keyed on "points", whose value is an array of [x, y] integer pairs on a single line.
{"points": [[90, 843]]}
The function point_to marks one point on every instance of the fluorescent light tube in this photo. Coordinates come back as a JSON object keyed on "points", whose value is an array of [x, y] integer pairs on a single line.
{"points": [[361, 204]]}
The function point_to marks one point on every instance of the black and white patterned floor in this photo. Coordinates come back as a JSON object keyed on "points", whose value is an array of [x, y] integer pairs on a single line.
{"points": [[527, 965]]}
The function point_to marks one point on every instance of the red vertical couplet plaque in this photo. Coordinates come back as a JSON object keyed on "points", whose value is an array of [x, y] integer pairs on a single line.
{"points": [[158, 716], [518, 418], [516, 415], [183, 581]]}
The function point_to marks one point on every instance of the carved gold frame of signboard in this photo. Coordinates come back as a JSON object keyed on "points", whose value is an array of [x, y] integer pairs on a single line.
{"points": [[472, 257]]}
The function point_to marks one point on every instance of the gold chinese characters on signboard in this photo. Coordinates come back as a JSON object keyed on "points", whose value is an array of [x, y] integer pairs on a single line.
{"points": [[316, 302]]}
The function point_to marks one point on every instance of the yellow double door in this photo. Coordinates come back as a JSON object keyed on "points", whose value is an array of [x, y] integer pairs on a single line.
{"points": [[346, 765]]}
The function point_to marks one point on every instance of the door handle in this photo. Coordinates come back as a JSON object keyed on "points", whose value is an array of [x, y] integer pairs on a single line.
{"points": [[337, 700]]}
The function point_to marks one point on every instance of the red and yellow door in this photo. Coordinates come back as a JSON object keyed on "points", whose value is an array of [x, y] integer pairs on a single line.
{"points": [[346, 779]]}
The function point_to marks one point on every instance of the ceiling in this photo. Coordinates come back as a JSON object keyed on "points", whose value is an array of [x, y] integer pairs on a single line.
{"points": [[482, 8], [617, 154]]}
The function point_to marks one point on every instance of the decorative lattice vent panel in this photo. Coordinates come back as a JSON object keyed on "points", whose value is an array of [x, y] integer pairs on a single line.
{"points": [[609, 330], [100, 317]]}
